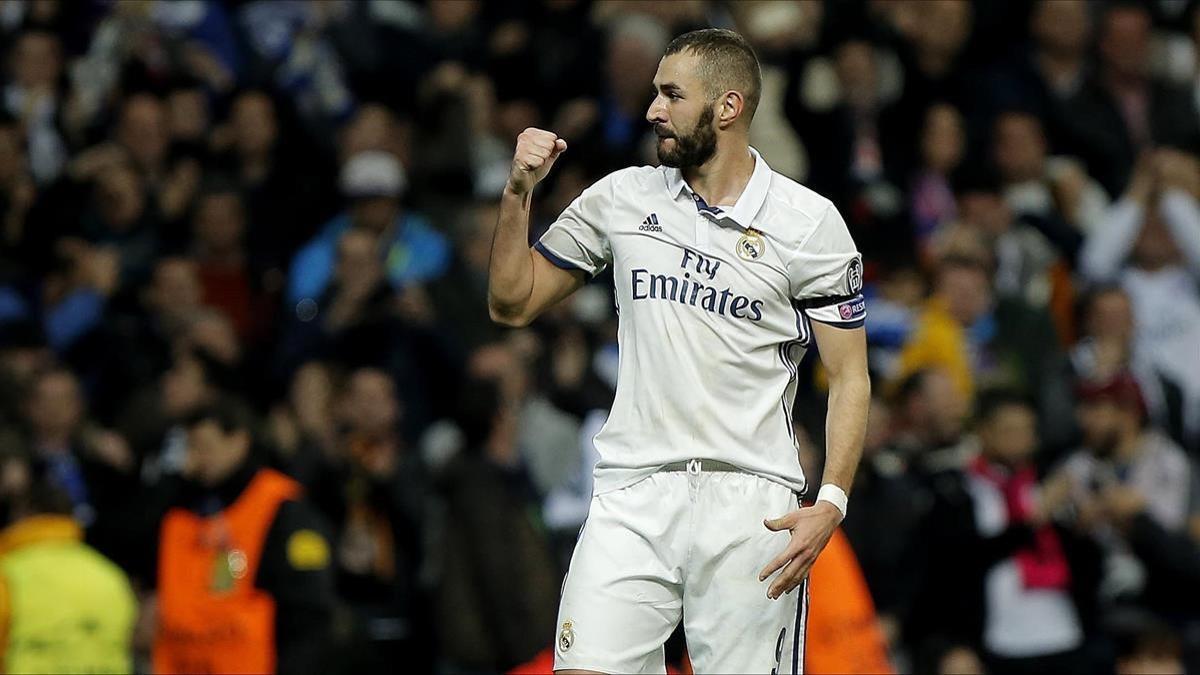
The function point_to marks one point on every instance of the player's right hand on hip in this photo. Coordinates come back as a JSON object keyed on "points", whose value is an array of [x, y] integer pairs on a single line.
{"points": [[536, 151]]}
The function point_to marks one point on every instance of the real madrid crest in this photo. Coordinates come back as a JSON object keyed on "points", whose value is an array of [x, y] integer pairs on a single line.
{"points": [[566, 637], [751, 245]]}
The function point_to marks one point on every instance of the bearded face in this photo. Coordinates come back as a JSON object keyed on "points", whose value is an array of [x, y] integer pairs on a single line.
{"points": [[685, 150]]}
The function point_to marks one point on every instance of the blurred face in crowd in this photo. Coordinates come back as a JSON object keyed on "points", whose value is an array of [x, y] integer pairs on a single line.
{"points": [[630, 65], [37, 60], [374, 127], [938, 408], [966, 290], [855, 63], [55, 406], [1155, 248], [501, 362], [944, 27], [1062, 26], [1009, 434], [143, 131], [187, 113], [682, 114], [452, 16], [213, 453], [369, 404], [220, 222], [986, 210], [1110, 316], [12, 154], [1104, 422], [175, 288], [254, 127], [184, 386], [358, 262], [1019, 146], [943, 139], [375, 214], [1125, 41], [121, 198]]}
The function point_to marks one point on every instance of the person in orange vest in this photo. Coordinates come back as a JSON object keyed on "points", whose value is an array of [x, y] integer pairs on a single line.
{"points": [[244, 579], [844, 635]]}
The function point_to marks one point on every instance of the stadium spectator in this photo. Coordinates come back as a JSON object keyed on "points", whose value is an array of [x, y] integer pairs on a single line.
{"points": [[930, 415], [1051, 195], [286, 197], [985, 341], [231, 285], [943, 144], [1150, 245], [884, 489], [490, 607], [1123, 109], [1019, 590], [92, 465], [413, 251], [244, 579], [1119, 450], [1106, 348], [65, 607], [372, 489]]}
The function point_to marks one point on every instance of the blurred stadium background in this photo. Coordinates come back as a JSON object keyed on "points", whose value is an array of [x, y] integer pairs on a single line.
{"points": [[270, 221]]}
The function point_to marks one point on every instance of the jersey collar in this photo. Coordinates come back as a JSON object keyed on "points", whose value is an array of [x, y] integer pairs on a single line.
{"points": [[748, 204]]}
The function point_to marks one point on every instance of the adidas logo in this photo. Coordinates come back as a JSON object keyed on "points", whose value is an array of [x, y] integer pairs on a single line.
{"points": [[650, 224]]}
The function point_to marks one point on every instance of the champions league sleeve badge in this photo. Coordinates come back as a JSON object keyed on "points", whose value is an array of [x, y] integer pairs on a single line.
{"points": [[751, 245], [854, 275]]}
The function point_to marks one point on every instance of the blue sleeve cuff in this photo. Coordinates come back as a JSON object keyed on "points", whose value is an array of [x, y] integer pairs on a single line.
{"points": [[557, 261]]}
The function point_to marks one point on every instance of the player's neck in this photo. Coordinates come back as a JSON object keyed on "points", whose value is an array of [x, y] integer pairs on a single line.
{"points": [[722, 179]]}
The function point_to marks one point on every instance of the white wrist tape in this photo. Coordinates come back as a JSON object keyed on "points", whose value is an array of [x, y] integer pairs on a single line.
{"points": [[834, 495]]}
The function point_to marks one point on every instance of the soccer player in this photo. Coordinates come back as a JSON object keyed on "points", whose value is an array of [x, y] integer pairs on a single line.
{"points": [[725, 272]]}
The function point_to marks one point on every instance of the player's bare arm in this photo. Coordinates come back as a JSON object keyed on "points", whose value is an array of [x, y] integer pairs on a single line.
{"points": [[844, 355], [521, 283]]}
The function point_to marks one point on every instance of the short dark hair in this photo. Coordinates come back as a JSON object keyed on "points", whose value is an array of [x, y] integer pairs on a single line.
{"points": [[229, 415], [964, 261], [728, 62], [992, 401], [478, 404]]}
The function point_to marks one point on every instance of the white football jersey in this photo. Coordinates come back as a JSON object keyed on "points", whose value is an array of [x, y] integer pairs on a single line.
{"points": [[714, 308]]}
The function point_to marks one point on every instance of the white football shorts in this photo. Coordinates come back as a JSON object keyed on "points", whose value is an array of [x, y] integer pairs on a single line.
{"points": [[681, 545]]}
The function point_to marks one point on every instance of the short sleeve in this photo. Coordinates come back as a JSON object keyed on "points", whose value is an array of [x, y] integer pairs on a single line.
{"points": [[578, 240], [827, 273]]}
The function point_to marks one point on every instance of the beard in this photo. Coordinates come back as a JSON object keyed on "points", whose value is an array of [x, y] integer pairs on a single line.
{"points": [[693, 149]]}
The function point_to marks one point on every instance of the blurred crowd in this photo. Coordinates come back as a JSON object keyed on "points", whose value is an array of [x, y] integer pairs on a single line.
{"points": [[286, 207]]}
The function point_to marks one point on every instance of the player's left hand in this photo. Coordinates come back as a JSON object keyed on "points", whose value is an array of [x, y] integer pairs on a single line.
{"points": [[811, 528]]}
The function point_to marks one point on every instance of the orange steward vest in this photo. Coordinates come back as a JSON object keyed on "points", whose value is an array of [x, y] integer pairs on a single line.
{"points": [[843, 634], [211, 618]]}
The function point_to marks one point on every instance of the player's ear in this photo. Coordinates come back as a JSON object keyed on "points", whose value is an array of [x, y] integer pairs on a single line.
{"points": [[732, 104]]}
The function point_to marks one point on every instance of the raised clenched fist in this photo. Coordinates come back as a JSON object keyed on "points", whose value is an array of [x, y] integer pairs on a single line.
{"points": [[536, 151]]}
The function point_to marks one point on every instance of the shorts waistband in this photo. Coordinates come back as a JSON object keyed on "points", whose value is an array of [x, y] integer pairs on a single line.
{"points": [[701, 466]]}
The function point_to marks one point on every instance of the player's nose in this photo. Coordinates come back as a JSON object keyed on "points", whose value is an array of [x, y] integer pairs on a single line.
{"points": [[657, 112]]}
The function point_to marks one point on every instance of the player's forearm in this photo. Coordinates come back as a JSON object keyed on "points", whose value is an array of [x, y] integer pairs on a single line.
{"points": [[845, 425], [510, 275]]}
